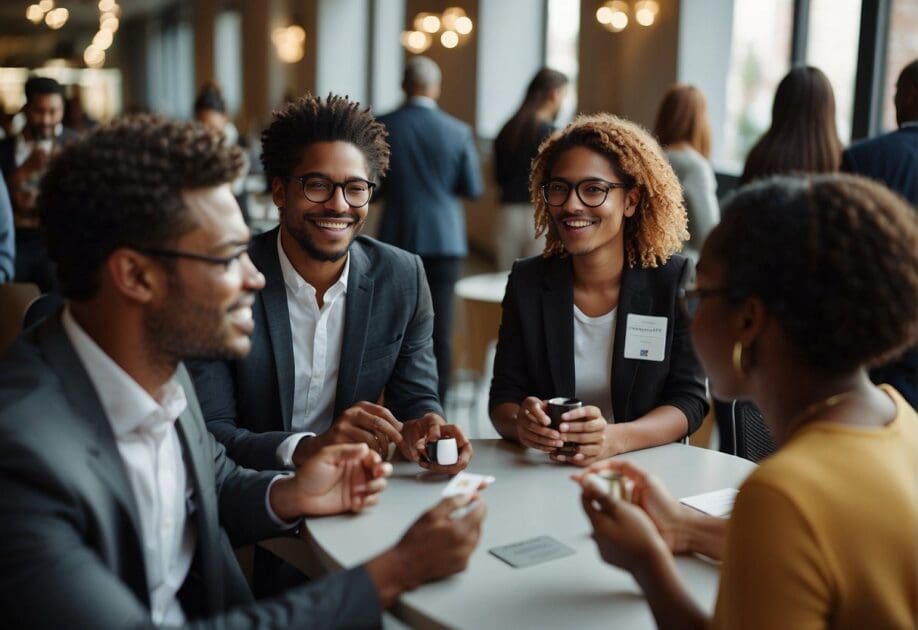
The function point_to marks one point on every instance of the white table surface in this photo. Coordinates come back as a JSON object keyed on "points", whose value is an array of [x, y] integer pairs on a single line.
{"points": [[531, 497], [484, 287]]}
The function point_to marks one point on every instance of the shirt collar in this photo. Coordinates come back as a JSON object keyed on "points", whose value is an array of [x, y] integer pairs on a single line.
{"points": [[423, 101], [297, 284], [127, 405]]}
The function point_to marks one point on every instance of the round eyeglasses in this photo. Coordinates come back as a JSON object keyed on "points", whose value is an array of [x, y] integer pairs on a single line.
{"points": [[319, 189], [591, 192]]}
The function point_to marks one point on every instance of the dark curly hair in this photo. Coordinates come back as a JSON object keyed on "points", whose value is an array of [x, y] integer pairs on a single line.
{"points": [[658, 227], [120, 186], [308, 120], [833, 257]]}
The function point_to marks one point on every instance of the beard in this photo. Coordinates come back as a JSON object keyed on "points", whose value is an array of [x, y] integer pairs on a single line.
{"points": [[301, 235], [184, 328]]}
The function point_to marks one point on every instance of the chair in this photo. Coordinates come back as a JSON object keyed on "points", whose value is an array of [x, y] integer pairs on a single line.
{"points": [[752, 438], [15, 298]]}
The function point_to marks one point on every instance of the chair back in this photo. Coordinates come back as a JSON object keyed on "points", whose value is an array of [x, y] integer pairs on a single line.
{"points": [[15, 298], [752, 438]]}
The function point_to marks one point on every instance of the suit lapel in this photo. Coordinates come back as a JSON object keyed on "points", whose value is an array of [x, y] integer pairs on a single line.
{"points": [[273, 299], [195, 447], [633, 298], [558, 318], [357, 308], [92, 429]]}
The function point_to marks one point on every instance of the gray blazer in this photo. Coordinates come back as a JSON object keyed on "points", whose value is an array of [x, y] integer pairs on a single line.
{"points": [[70, 548], [387, 346]]}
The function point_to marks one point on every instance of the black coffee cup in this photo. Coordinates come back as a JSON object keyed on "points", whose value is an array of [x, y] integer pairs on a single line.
{"points": [[558, 406]]}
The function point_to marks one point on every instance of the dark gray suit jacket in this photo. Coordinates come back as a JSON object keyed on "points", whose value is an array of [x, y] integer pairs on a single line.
{"points": [[891, 159], [388, 321], [433, 162], [70, 547], [535, 347]]}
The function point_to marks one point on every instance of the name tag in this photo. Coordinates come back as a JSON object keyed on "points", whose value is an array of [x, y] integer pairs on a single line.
{"points": [[645, 337]]}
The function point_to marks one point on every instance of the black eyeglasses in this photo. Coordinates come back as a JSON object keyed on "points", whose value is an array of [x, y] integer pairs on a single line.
{"points": [[690, 297], [227, 261], [319, 189], [592, 192]]}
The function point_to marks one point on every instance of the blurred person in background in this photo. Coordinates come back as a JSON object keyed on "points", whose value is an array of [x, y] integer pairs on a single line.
{"points": [[210, 110], [514, 148], [802, 137], [892, 159], [434, 163], [24, 158], [683, 129]]}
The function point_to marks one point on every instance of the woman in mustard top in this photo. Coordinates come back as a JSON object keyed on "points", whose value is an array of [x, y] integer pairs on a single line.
{"points": [[805, 283]]}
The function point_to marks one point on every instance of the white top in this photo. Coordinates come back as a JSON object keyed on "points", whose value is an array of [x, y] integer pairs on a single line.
{"points": [[144, 430], [149, 446], [317, 335], [594, 338]]}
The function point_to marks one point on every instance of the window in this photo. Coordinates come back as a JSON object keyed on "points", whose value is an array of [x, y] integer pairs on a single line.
{"points": [[562, 49], [832, 22], [759, 58]]}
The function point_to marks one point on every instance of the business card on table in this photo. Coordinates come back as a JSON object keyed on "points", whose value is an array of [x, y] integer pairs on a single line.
{"points": [[466, 483], [533, 551], [717, 503]]}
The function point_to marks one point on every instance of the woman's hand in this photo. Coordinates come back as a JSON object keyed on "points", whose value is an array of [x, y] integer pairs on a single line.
{"points": [[668, 515], [625, 535], [586, 435], [532, 426]]}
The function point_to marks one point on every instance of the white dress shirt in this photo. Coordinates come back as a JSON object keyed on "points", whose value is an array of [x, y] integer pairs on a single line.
{"points": [[149, 446], [148, 442], [317, 336], [594, 341]]}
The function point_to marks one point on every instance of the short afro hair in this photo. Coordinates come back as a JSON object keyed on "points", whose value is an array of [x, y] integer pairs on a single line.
{"points": [[658, 227], [308, 120], [834, 258], [121, 186]]}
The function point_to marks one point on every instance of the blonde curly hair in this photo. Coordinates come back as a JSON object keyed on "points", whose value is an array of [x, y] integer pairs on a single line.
{"points": [[658, 227]]}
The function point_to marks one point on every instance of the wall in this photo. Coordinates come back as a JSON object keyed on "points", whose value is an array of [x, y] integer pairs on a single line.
{"points": [[627, 73]]}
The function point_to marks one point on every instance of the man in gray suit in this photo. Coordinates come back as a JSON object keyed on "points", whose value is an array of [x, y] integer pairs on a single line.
{"points": [[117, 507], [343, 320], [434, 162]]}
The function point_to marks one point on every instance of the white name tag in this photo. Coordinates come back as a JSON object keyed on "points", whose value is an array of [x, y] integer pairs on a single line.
{"points": [[645, 337]]}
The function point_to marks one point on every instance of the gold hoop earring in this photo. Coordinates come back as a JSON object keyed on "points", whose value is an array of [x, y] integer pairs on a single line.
{"points": [[738, 349]]}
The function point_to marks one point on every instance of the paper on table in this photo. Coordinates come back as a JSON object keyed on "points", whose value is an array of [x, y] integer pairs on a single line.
{"points": [[716, 503]]}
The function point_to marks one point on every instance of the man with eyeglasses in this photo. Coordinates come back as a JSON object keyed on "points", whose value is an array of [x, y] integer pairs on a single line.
{"points": [[342, 349], [117, 507]]}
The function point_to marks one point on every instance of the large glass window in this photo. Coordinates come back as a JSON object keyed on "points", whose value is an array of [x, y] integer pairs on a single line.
{"points": [[228, 58], [759, 58], [902, 49], [562, 49], [832, 22]]}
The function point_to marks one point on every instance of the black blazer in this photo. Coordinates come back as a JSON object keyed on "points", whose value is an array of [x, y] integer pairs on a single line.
{"points": [[891, 159], [71, 553], [387, 345], [535, 346]]}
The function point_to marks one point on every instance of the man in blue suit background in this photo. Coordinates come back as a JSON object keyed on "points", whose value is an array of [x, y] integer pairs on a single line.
{"points": [[893, 160], [433, 163]]}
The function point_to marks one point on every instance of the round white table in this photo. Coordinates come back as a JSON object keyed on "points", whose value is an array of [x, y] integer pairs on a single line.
{"points": [[531, 497]]}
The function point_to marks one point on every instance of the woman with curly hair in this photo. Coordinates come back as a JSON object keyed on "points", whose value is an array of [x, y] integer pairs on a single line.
{"points": [[595, 317], [823, 532]]}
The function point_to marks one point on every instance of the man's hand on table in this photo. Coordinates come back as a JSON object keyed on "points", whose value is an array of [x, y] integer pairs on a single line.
{"points": [[417, 433], [435, 546], [364, 422]]}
